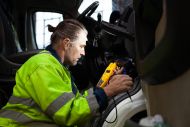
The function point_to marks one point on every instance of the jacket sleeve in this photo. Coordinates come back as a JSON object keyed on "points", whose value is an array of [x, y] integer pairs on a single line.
{"points": [[52, 91]]}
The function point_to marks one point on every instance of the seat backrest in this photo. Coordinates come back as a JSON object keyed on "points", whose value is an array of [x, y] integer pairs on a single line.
{"points": [[9, 44], [11, 55], [7, 68]]}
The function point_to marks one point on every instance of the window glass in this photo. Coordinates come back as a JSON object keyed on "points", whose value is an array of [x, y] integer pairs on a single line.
{"points": [[104, 8], [42, 33], [120, 5]]}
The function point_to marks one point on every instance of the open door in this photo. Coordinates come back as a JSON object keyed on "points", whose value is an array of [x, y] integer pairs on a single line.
{"points": [[163, 49]]}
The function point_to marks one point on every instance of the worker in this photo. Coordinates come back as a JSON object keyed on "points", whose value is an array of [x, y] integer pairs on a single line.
{"points": [[45, 93]]}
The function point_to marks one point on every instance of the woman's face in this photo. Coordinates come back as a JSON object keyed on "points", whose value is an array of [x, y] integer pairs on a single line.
{"points": [[76, 49]]}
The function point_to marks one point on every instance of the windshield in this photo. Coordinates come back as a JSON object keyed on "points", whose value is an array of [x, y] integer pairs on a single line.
{"points": [[106, 7], [105, 11]]}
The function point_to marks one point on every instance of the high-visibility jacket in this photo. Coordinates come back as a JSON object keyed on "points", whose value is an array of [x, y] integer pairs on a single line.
{"points": [[43, 96]]}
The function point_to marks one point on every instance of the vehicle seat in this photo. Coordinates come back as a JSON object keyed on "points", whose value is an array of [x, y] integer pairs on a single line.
{"points": [[11, 55], [126, 21]]}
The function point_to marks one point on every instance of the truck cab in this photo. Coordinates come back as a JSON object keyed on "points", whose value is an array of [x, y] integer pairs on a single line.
{"points": [[150, 36]]}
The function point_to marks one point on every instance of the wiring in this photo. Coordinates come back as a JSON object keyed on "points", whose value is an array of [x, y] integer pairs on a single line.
{"points": [[115, 106]]}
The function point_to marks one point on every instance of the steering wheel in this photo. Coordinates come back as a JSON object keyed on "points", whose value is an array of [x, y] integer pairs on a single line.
{"points": [[89, 10]]}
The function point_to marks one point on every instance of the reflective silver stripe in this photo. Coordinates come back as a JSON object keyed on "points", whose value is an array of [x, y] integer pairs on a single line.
{"points": [[17, 116], [93, 103], [58, 103], [24, 101], [19, 100]]}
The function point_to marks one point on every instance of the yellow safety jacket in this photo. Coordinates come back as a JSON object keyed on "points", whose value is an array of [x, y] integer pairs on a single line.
{"points": [[43, 96]]}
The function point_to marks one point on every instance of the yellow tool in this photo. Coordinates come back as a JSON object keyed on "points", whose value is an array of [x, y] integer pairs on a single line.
{"points": [[107, 74]]}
